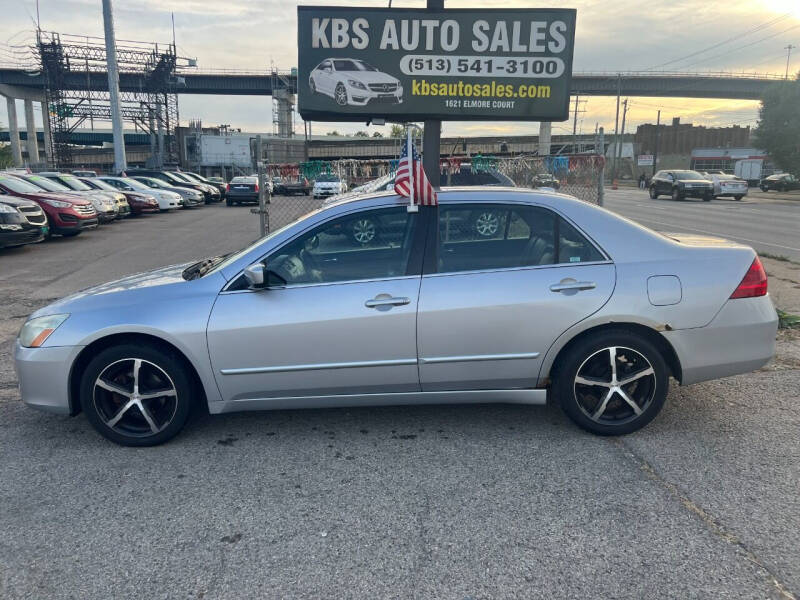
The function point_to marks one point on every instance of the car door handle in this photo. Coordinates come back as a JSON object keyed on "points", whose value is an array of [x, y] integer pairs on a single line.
{"points": [[387, 301], [573, 285]]}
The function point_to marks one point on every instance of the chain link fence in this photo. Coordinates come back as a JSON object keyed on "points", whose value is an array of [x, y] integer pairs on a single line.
{"points": [[579, 175]]}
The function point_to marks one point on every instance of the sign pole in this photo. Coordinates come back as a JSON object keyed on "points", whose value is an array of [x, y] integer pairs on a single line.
{"points": [[432, 136]]}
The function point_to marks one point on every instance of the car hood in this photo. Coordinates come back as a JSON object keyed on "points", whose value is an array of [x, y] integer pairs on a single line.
{"points": [[63, 197], [367, 77], [14, 201]]}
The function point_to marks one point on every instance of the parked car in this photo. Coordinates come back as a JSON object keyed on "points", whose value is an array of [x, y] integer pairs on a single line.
{"points": [[680, 184], [242, 189], [105, 207], [328, 184], [212, 191], [353, 82], [546, 180], [190, 198], [780, 182], [170, 178], [301, 187], [569, 301], [84, 173], [728, 185], [117, 199], [200, 179], [216, 179], [21, 222], [67, 215], [166, 200], [123, 208]]}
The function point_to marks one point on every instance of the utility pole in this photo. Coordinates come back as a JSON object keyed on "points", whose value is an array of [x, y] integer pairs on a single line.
{"points": [[575, 123], [618, 149], [431, 140], [655, 150], [616, 131], [788, 49], [120, 164]]}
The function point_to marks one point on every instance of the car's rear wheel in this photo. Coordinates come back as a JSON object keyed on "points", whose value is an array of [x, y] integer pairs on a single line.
{"points": [[612, 382], [136, 395], [707, 197], [739, 197], [653, 194]]}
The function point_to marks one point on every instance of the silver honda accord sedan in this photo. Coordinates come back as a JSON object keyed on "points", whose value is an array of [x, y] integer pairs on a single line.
{"points": [[496, 295]]}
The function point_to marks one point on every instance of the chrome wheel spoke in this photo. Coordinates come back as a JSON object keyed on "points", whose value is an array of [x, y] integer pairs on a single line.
{"points": [[613, 353], [158, 394], [115, 419], [592, 381], [113, 387], [635, 376], [599, 412], [627, 399], [137, 365]]}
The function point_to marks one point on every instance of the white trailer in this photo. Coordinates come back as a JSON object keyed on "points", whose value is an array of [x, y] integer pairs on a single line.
{"points": [[750, 169]]}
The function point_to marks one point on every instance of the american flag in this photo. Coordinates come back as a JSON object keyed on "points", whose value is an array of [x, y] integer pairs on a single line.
{"points": [[410, 173]]}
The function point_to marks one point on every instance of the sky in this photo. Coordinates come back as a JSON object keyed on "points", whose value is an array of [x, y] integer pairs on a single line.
{"points": [[625, 35]]}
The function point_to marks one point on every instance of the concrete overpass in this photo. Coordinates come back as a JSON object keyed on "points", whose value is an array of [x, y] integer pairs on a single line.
{"points": [[239, 83]]}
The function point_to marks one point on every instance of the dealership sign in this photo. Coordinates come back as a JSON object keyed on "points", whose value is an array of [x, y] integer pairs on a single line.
{"points": [[458, 64], [644, 160]]}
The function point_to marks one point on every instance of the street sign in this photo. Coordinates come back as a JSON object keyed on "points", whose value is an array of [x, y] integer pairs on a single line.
{"points": [[413, 64], [644, 160]]}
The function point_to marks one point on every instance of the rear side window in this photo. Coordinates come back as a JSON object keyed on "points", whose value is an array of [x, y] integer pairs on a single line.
{"points": [[493, 236]]}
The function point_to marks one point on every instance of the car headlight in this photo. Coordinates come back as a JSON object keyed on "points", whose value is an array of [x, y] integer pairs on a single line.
{"points": [[57, 203], [5, 208], [35, 331], [356, 84]]}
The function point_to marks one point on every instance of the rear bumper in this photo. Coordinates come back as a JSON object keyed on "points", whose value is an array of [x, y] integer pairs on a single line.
{"points": [[242, 197], [740, 339], [43, 375]]}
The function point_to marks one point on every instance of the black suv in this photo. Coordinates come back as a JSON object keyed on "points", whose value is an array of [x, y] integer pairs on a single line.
{"points": [[176, 179], [680, 185], [780, 182]]}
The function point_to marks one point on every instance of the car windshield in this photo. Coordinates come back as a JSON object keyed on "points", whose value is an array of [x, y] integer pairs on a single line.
{"points": [[682, 175], [244, 180], [75, 183], [364, 66], [137, 185], [18, 185], [346, 65], [327, 177], [194, 177], [47, 184], [180, 177]]}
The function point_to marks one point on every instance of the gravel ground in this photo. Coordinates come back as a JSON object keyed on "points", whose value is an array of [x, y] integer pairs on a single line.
{"points": [[438, 501]]}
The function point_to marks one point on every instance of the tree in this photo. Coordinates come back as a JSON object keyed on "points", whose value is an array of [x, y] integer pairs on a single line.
{"points": [[778, 129], [6, 160], [361, 134], [334, 132], [377, 134], [397, 131]]}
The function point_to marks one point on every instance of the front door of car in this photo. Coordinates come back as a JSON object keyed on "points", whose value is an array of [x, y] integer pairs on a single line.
{"points": [[501, 296], [340, 317]]}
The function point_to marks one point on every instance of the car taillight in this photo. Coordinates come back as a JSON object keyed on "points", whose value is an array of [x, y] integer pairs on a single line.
{"points": [[754, 282], [228, 187], [256, 186]]}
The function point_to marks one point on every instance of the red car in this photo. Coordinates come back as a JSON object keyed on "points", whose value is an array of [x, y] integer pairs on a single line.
{"points": [[66, 215], [138, 201]]}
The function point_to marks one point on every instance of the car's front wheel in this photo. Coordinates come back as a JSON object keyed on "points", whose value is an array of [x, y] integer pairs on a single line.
{"points": [[136, 395], [612, 382], [340, 95]]}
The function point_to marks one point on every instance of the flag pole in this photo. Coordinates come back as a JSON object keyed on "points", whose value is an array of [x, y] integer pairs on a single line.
{"points": [[412, 208]]}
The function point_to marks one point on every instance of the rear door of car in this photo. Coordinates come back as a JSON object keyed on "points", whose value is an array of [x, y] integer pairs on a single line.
{"points": [[501, 283]]}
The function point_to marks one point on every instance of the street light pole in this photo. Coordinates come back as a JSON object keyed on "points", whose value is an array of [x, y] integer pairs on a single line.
{"points": [[120, 163], [655, 150], [788, 49], [432, 138]]}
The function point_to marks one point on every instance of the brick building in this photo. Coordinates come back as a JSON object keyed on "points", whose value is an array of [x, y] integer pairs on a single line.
{"points": [[682, 138]]}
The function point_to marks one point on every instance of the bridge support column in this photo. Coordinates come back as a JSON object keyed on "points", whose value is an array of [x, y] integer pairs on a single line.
{"points": [[545, 130], [31, 143], [13, 131], [285, 101], [48, 136]]}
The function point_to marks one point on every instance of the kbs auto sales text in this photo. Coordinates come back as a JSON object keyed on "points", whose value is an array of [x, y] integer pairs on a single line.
{"points": [[526, 37]]}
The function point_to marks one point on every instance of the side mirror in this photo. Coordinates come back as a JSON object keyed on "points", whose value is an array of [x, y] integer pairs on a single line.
{"points": [[255, 276]]}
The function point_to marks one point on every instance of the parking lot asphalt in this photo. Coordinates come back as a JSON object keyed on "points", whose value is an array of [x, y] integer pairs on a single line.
{"points": [[411, 502]]}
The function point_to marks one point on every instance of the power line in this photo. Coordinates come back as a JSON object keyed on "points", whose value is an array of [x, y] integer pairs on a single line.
{"points": [[738, 36], [740, 48]]}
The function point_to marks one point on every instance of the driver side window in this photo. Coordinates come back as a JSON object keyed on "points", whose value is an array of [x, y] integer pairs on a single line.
{"points": [[373, 244]]}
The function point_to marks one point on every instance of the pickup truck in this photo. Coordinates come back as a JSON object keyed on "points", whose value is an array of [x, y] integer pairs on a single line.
{"points": [[290, 188]]}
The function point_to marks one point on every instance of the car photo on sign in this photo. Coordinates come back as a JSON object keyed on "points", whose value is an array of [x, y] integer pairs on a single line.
{"points": [[353, 82]]}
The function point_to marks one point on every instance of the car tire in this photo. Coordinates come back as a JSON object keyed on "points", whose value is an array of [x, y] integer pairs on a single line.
{"points": [[739, 197], [764, 188], [67, 234], [676, 195], [117, 396], [229, 202], [599, 407], [707, 197], [653, 194], [340, 95]]}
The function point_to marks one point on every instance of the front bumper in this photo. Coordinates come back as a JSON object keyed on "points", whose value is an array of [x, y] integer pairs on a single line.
{"points": [[358, 97], [740, 339], [30, 235], [43, 375], [697, 192]]}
